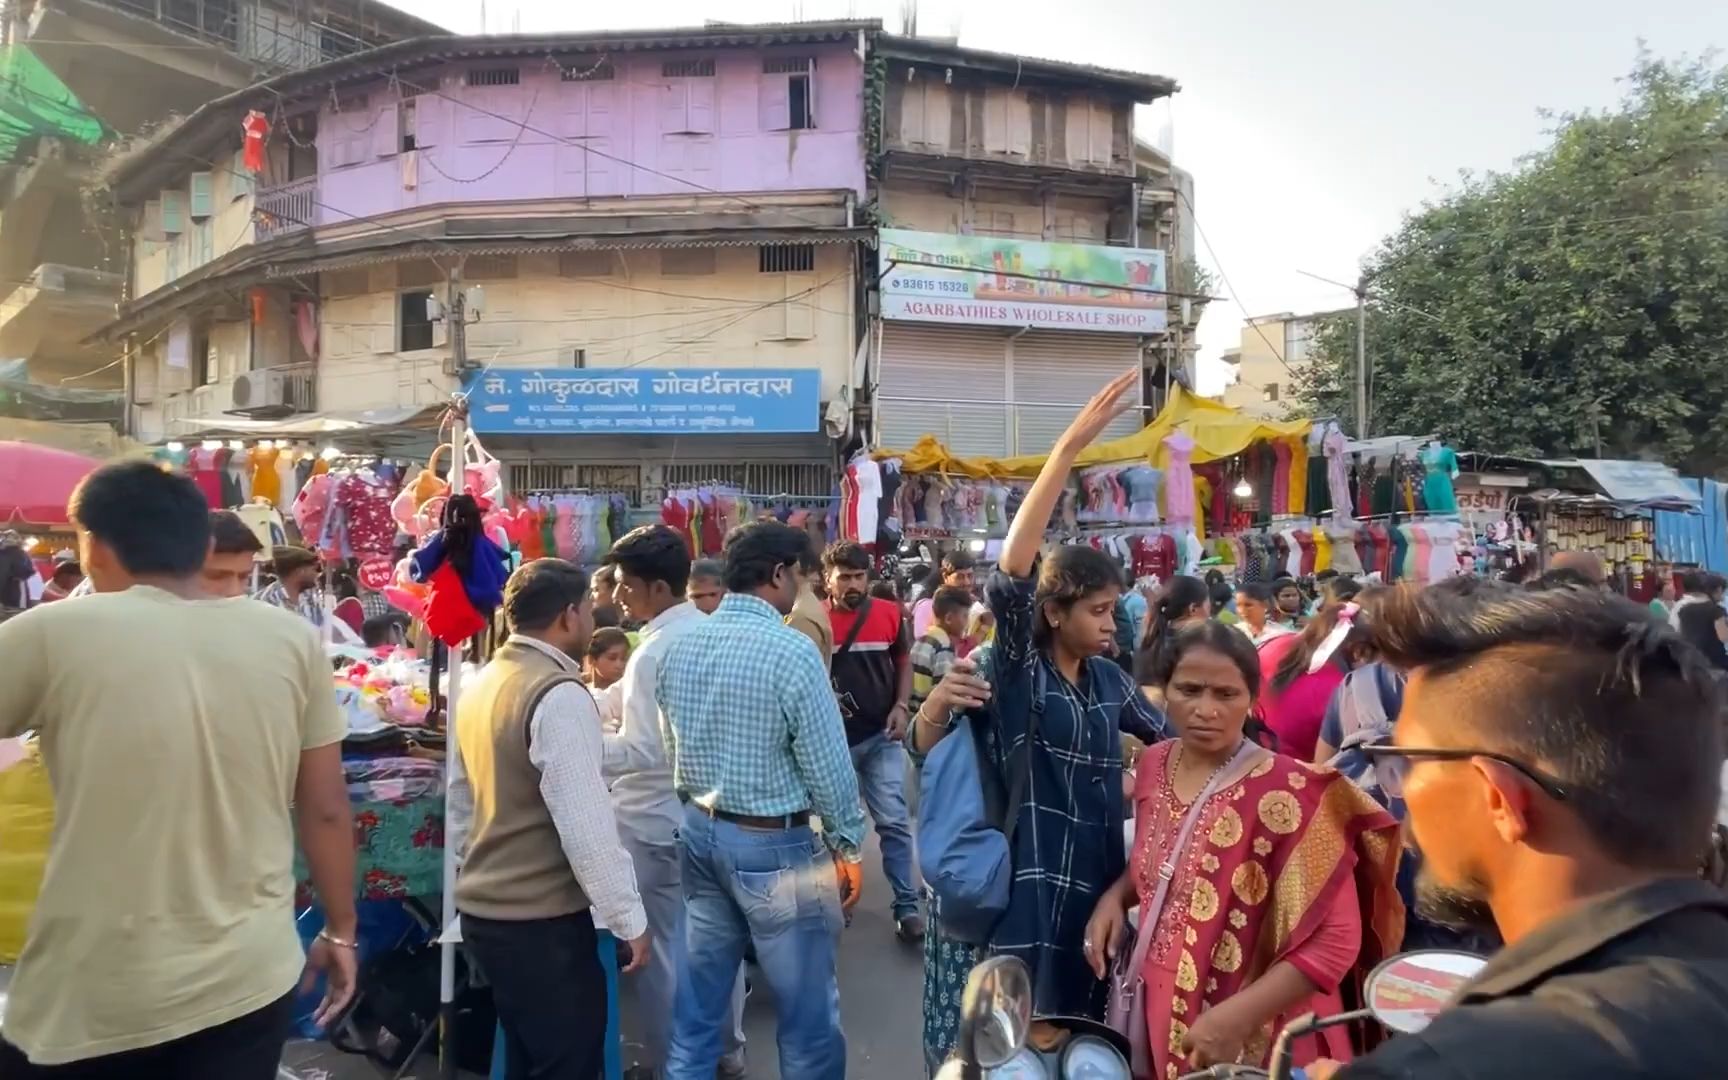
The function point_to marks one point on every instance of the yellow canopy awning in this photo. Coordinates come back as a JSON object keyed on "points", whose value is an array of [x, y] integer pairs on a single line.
{"points": [[1218, 431]]}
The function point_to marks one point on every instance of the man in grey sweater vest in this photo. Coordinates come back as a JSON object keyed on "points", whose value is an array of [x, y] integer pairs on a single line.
{"points": [[542, 860]]}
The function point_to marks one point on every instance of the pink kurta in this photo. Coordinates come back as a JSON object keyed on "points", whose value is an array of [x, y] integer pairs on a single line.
{"points": [[1295, 713]]}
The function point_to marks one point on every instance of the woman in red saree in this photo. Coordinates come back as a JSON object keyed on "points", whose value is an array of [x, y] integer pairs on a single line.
{"points": [[1280, 877]]}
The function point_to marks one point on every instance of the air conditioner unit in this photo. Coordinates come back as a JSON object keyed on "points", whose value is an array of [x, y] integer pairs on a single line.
{"points": [[263, 391]]}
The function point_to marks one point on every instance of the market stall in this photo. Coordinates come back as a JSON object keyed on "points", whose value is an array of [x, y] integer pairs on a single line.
{"points": [[1152, 498]]}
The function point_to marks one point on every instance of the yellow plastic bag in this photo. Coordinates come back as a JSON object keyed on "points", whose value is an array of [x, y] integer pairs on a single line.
{"points": [[26, 821]]}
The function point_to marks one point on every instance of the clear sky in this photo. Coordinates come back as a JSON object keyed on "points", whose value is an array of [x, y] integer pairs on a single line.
{"points": [[1311, 126]]}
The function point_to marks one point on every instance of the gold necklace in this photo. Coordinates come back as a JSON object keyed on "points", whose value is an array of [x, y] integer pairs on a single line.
{"points": [[1176, 803]]}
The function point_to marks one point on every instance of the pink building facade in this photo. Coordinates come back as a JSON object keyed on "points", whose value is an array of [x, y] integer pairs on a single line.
{"points": [[662, 123]]}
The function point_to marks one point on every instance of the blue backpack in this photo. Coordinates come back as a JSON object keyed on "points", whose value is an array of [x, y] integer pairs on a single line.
{"points": [[966, 822]]}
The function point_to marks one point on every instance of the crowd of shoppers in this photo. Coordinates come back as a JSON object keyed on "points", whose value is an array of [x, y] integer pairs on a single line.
{"points": [[697, 776]]}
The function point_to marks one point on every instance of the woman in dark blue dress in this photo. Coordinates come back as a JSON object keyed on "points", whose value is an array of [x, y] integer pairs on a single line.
{"points": [[1052, 682]]}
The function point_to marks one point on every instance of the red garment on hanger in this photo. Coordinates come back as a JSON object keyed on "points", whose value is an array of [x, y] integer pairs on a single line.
{"points": [[255, 127], [450, 615]]}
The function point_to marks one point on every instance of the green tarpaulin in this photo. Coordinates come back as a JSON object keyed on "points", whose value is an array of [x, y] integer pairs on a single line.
{"points": [[34, 102]]}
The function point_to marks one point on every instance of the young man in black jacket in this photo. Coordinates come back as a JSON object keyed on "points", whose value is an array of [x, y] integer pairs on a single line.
{"points": [[1560, 753]]}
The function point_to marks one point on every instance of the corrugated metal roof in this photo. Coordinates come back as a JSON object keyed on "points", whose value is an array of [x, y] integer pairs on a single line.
{"points": [[294, 256], [1145, 87], [528, 246]]}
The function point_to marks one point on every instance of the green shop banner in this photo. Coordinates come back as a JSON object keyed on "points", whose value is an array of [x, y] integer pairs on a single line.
{"points": [[991, 281]]}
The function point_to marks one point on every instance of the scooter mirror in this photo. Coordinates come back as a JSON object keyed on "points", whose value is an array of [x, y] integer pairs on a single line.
{"points": [[995, 1012], [1406, 992]]}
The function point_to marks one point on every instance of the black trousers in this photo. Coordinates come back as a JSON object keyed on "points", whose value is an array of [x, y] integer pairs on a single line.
{"points": [[550, 991], [246, 1048]]}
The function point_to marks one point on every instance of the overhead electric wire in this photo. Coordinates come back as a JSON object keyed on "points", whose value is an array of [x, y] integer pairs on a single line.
{"points": [[1277, 354]]}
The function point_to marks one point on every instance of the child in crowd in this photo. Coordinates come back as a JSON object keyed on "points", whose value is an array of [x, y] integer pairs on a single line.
{"points": [[935, 652], [608, 652]]}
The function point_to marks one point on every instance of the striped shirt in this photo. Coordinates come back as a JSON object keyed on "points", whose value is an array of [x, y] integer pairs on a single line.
{"points": [[932, 657], [750, 723], [307, 606]]}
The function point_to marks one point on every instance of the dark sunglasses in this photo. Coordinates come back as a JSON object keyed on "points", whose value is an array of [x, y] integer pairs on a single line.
{"points": [[1397, 760]]}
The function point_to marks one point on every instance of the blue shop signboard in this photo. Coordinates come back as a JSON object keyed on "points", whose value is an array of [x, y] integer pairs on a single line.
{"points": [[642, 401]]}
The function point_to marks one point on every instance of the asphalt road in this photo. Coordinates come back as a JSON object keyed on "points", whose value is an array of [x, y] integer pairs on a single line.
{"points": [[881, 987]]}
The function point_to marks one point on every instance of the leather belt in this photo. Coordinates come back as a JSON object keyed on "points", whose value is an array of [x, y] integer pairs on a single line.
{"points": [[778, 821]]}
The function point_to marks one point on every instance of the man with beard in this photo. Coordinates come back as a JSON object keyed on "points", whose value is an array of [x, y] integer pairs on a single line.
{"points": [[1559, 754], [872, 670]]}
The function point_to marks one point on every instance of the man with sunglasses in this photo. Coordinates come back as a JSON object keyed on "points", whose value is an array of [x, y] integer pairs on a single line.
{"points": [[1559, 754]]}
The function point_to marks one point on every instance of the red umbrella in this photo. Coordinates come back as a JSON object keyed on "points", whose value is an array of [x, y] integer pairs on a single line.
{"points": [[36, 481]]}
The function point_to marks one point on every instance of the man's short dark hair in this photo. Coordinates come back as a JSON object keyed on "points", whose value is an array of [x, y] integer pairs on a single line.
{"points": [[288, 559], [381, 629], [755, 552], [157, 523], [1585, 685], [950, 599], [229, 535], [810, 559], [540, 591], [958, 561], [653, 553], [66, 570], [1563, 577], [708, 570], [846, 555], [1694, 581]]}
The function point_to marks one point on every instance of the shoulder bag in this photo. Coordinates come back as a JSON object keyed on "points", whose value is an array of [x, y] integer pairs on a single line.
{"points": [[1126, 1010], [849, 707]]}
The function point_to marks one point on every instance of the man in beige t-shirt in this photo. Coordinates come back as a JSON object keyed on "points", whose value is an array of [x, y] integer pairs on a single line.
{"points": [[808, 616], [185, 736]]}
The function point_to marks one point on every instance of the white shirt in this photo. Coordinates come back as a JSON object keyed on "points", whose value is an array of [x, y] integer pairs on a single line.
{"points": [[1674, 612], [635, 757], [564, 744]]}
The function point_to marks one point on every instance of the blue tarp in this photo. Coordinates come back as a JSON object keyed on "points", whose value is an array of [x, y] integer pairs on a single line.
{"points": [[1699, 539]]}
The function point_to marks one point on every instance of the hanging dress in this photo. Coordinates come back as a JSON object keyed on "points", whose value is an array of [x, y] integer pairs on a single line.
{"points": [[1441, 466]]}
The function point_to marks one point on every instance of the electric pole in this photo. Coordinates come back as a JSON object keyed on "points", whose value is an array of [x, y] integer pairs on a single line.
{"points": [[1362, 357], [1360, 291], [456, 320]]}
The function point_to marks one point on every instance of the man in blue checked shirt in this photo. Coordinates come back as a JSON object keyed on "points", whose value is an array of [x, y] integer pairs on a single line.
{"points": [[757, 748]]}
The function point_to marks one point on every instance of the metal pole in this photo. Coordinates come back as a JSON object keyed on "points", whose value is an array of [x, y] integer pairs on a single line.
{"points": [[453, 678], [1362, 357]]}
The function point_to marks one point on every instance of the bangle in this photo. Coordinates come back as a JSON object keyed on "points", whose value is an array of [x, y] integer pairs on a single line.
{"points": [[920, 717], [327, 936]]}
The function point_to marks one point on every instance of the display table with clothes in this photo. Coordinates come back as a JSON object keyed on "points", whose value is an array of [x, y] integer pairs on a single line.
{"points": [[398, 806]]}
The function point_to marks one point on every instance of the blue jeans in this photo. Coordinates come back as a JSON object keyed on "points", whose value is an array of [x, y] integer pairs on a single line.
{"points": [[776, 889], [881, 765]]}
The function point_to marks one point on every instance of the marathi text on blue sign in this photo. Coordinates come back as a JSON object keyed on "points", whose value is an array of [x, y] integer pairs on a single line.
{"points": [[633, 401]]}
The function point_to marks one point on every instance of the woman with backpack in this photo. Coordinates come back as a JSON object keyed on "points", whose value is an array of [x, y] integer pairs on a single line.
{"points": [[1052, 707]]}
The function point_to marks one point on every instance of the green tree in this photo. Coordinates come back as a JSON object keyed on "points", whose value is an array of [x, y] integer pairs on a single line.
{"points": [[1578, 304]]}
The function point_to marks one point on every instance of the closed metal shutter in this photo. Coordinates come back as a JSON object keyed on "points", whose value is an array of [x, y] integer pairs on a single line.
{"points": [[1053, 373], [946, 381]]}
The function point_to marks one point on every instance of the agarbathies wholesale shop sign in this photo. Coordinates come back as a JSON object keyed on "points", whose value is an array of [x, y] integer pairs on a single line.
{"points": [[985, 280], [643, 401]]}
